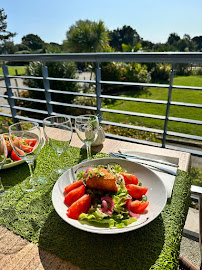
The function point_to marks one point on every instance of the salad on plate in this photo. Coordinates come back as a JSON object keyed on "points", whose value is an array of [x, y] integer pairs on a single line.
{"points": [[21, 146], [106, 195]]}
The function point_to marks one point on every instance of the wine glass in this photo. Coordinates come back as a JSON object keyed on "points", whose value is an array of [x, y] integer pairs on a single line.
{"points": [[3, 156], [58, 134], [87, 130], [26, 141]]}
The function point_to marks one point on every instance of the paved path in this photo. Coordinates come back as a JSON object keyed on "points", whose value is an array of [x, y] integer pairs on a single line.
{"points": [[3, 101]]}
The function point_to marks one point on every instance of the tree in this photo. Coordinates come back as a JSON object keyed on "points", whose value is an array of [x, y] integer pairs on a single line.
{"points": [[53, 47], [4, 34], [55, 70], [182, 45], [126, 35], [8, 47], [22, 47], [198, 41], [86, 36], [34, 42], [173, 39], [147, 45]]}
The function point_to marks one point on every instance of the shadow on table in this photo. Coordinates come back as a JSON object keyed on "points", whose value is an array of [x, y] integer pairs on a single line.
{"points": [[138, 249], [19, 173]]}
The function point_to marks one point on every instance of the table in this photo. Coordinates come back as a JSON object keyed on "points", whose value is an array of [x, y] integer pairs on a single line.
{"points": [[18, 253]]}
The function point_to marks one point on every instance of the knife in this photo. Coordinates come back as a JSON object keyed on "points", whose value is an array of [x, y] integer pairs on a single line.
{"points": [[144, 158]]}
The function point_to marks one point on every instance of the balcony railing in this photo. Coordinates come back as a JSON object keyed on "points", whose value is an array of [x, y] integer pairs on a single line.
{"points": [[171, 58]]}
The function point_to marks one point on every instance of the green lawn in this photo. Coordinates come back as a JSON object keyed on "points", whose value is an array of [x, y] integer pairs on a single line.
{"points": [[188, 96], [12, 70]]}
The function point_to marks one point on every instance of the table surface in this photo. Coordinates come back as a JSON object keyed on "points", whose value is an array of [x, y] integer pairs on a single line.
{"points": [[18, 253]]}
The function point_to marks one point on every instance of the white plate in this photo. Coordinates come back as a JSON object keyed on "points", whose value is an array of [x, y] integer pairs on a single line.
{"points": [[15, 163], [12, 164], [156, 194]]}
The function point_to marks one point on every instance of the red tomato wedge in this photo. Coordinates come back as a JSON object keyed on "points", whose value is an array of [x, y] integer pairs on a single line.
{"points": [[14, 157], [138, 207], [129, 178], [73, 186], [74, 195], [136, 191], [30, 142], [26, 148], [80, 206]]}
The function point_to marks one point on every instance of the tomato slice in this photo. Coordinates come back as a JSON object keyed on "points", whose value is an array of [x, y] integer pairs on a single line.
{"points": [[14, 157], [26, 148], [80, 206], [129, 178], [138, 207], [74, 195], [136, 191], [30, 142], [73, 186]]}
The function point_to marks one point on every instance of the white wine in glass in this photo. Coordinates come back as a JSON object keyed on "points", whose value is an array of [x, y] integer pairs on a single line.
{"points": [[26, 141], [58, 134], [87, 127]]}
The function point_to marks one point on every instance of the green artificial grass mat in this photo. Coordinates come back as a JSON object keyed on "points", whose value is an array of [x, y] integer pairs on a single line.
{"points": [[32, 216]]}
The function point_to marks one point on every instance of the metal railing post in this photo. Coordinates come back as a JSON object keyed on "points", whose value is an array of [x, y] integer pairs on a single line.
{"points": [[47, 87], [11, 101], [98, 91], [168, 106]]}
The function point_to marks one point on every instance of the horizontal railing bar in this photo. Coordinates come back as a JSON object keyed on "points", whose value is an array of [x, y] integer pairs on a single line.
{"points": [[29, 99], [72, 105], [135, 84], [128, 139], [27, 88], [187, 150], [134, 99], [183, 135], [25, 77], [151, 101], [187, 87], [71, 93], [4, 96], [132, 127], [64, 115], [29, 119], [5, 114], [184, 120], [2, 86], [30, 110], [5, 105], [143, 57], [152, 85], [70, 80], [160, 117], [1, 76], [175, 103]]}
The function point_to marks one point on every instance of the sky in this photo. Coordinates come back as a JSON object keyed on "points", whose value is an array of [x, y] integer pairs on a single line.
{"points": [[153, 20]]}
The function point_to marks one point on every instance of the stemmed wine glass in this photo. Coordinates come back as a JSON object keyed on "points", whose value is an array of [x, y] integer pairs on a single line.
{"points": [[58, 134], [26, 141], [87, 130], [3, 156]]}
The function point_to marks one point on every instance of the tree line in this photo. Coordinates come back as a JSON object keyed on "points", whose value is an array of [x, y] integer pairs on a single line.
{"points": [[91, 36]]}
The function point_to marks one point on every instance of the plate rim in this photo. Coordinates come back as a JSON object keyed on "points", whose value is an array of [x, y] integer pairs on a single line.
{"points": [[114, 230], [12, 164]]}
